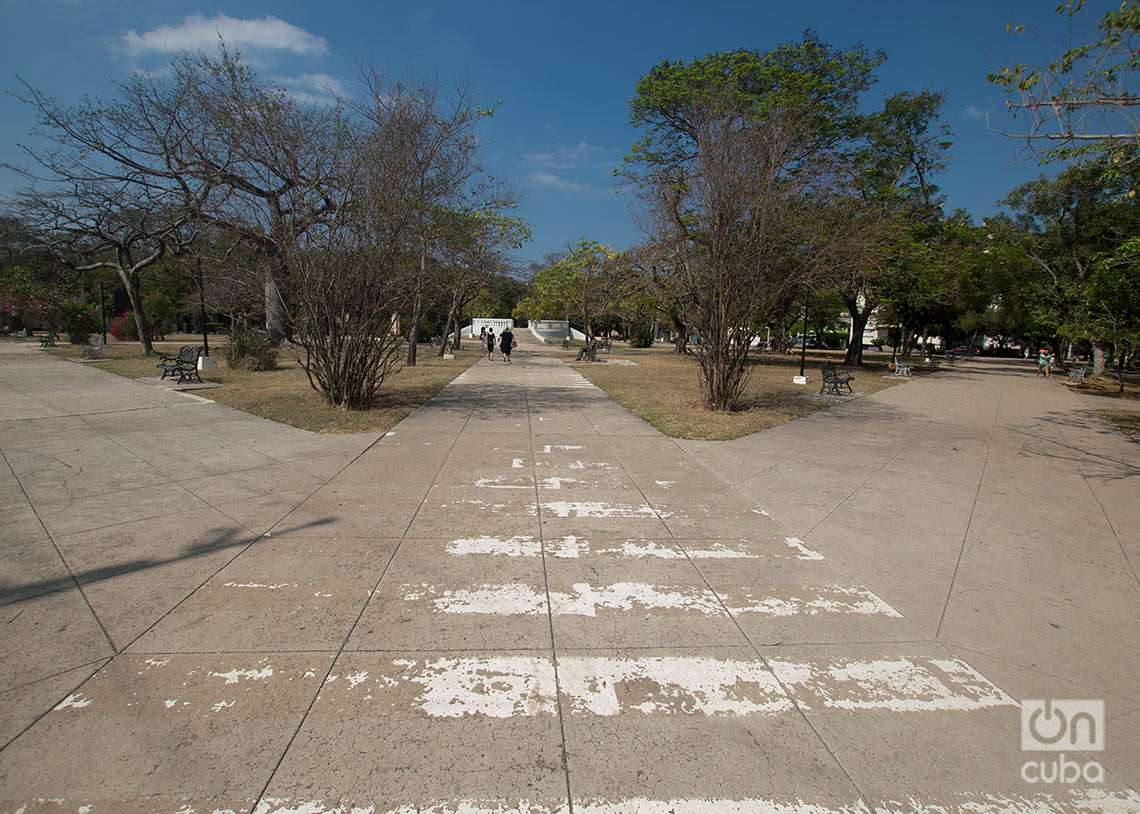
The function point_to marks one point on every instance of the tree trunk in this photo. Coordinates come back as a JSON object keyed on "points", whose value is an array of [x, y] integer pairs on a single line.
{"points": [[131, 284], [414, 330], [1098, 358], [275, 322], [859, 317], [417, 308], [681, 343], [449, 327]]}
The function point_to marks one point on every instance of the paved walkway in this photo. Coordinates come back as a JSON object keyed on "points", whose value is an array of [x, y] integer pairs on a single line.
{"points": [[524, 598]]}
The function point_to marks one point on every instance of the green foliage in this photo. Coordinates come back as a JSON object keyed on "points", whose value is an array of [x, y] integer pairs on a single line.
{"points": [[810, 77], [1111, 306], [576, 286], [904, 147], [498, 297], [78, 320], [251, 350], [641, 335]]}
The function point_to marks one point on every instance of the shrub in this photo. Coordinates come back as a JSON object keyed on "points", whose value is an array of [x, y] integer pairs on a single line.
{"points": [[251, 350], [124, 329], [641, 335], [77, 321]]}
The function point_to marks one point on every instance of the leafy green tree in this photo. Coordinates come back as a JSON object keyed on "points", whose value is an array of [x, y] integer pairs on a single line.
{"points": [[903, 146], [734, 145], [1112, 304], [582, 285], [1063, 225]]}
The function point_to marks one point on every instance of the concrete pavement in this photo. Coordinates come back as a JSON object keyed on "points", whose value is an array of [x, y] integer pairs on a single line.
{"points": [[525, 599]]}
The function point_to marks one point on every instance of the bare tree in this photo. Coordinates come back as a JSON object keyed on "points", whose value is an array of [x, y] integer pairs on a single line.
{"points": [[345, 298], [436, 139], [1085, 99], [211, 142], [729, 215], [100, 224]]}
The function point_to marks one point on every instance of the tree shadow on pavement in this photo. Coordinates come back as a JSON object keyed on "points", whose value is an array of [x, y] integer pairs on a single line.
{"points": [[220, 539]]}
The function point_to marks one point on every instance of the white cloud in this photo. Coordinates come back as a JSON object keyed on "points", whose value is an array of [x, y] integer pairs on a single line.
{"points": [[198, 32], [974, 112], [313, 88], [552, 181], [564, 158]]}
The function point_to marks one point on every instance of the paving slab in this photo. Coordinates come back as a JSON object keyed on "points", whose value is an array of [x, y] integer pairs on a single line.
{"points": [[152, 733], [397, 730]]}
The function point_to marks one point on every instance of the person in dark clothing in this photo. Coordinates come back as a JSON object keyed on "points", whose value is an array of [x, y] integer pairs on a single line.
{"points": [[490, 343], [507, 343]]}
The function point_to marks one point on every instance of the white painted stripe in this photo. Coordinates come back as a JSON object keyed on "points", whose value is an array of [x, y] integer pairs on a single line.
{"points": [[510, 686], [1058, 801], [897, 685], [828, 599], [516, 599], [525, 545], [713, 551], [596, 508], [671, 685], [572, 547], [520, 599], [802, 551], [713, 806], [494, 686]]}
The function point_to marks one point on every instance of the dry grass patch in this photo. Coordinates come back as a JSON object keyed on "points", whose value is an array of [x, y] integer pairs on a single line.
{"points": [[662, 388], [1127, 421], [284, 394], [1106, 385]]}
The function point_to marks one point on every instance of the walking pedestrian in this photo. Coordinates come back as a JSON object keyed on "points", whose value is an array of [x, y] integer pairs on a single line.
{"points": [[507, 343], [490, 341], [482, 335]]}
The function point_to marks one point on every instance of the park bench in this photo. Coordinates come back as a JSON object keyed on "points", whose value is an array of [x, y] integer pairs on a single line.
{"points": [[93, 350], [589, 352], [1077, 374], [184, 365], [835, 378], [48, 339], [902, 370]]}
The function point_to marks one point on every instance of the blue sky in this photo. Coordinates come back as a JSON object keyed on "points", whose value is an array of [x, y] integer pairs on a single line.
{"points": [[563, 73]]}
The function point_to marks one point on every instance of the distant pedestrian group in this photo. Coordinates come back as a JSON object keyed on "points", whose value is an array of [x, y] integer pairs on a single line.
{"points": [[1045, 362], [506, 341]]}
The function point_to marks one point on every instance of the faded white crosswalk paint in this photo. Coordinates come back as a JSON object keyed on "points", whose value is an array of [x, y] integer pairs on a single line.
{"points": [[518, 599], [1060, 801], [597, 508], [571, 546], [505, 686], [896, 685]]}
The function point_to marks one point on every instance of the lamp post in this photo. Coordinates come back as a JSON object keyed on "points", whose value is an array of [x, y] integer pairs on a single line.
{"points": [[102, 313], [202, 308], [802, 379]]}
